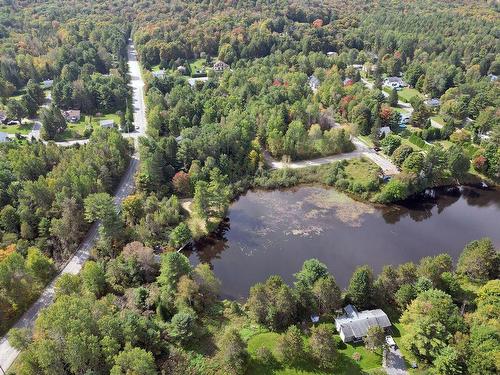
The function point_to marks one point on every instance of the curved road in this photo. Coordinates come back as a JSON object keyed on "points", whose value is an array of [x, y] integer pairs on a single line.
{"points": [[7, 353], [361, 150]]}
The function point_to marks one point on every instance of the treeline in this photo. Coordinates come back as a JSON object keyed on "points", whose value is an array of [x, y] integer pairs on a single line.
{"points": [[129, 314], [42, 194]]}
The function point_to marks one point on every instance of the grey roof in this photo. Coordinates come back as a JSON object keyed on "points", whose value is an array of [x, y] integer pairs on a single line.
{"points": [[356, 324]]}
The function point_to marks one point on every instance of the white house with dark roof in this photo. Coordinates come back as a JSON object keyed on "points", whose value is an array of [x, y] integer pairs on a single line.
{"points": [[354, 324], [394, 82]]}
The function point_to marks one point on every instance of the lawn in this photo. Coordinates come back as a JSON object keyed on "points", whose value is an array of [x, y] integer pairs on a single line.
{"points": [[23, 129], [197, 64], [345, 364], [439, 120], [406, 94], [362, 170]]}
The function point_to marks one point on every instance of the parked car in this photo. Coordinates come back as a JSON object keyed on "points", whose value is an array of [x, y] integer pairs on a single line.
{"points": [[390, 341]]}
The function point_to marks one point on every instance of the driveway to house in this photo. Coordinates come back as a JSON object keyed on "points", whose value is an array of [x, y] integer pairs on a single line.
{"points": [[394, 363], [361, 150], [7, 353]]}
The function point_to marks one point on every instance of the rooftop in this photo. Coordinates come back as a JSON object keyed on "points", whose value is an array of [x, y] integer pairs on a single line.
{"points": [[356, 324]]}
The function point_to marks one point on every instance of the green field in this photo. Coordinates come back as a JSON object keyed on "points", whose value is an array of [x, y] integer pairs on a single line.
{"points": [[406, 94], [23, 129], [362, 170], [439, 120]]}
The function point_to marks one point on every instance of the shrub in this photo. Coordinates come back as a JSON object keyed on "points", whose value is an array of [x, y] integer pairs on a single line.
{"points": [[400, 154], [417, 141], [390, 143]]}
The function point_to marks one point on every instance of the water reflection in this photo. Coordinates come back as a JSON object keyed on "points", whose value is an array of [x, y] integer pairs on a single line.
{"points": [[273, 232]]}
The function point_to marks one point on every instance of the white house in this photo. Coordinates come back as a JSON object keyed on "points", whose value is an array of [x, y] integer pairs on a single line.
{"points": [[107, 124], [220, 66], [182, 69], [332, 54], [394, 82], [354, 324]]}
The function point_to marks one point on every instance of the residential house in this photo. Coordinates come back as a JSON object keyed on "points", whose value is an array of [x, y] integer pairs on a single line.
{"points": [[314, 83], [353, 325], [47, 84], [107, 124], [357, 66], [71, 115], [432, 102], [332, 54], [220, 66], [394, 82], [159, 73], [182, 69], [369, 68]]}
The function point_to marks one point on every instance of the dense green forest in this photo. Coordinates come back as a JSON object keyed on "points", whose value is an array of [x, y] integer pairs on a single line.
{"points": [[300, 80]]}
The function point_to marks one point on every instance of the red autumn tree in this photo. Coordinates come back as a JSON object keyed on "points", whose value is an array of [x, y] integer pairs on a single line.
{"points": [[317, 23], [480, 163]]}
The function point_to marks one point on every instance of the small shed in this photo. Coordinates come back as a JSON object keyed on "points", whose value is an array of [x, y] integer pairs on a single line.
{"points": [[107, 124]]}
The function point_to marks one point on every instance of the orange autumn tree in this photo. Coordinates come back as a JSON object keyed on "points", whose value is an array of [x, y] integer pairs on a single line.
{"points": [[4, 253]]}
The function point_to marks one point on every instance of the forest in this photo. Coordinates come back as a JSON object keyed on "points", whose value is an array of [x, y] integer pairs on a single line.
{"points": [[299, 81]]}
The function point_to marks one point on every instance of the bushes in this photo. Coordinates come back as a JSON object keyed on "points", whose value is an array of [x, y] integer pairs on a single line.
{"points": [[417, 141], [395, 190], [400, 154]]}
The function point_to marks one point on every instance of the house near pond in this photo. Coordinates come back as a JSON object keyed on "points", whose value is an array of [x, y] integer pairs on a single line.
{"points": [[353, 325]]}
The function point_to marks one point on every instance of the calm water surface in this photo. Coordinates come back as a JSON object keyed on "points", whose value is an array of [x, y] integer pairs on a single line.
{"points": [[274, 232]]}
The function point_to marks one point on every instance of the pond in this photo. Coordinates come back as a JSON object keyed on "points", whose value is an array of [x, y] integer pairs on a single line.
{"points": [[274, 232]]}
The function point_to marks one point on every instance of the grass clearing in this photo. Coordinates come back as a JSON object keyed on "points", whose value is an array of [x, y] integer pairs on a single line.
{"points": [[362, 170], [407, 93], [345, 364], [77, 130], [439, 119], [23, 128]]}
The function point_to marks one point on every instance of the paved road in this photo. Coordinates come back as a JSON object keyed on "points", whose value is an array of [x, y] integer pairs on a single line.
{"points": [[7, 353], [361, 150], [394, 362]]}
